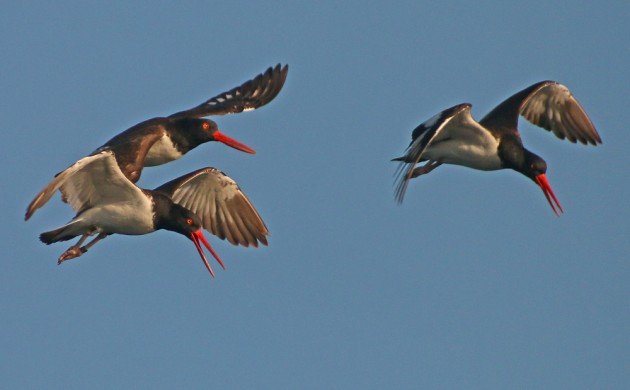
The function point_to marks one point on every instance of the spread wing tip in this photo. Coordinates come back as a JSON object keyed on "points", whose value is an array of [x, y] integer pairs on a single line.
{"points": [[248, 96]]}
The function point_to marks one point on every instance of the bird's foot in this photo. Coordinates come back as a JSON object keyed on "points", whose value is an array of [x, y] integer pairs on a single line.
{"points": [[418, 172], [71, 253]]}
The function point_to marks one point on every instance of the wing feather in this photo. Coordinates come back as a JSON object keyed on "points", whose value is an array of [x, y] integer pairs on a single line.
{"points": [[94, 179], [224, 228], [232, 226], [551, 106], [453, 123], [250, 95], [223, 208]]}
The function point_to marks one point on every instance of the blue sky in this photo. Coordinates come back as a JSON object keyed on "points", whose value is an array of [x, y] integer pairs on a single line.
{"points": [[471, 283]]}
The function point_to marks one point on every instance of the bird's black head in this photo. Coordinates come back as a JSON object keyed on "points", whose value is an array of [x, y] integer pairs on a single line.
{"points": [[192, 132], [534, 167], [180, 220], [183, 221]]}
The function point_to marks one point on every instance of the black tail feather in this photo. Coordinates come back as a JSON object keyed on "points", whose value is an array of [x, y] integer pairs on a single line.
{"points": [[56, 236]]}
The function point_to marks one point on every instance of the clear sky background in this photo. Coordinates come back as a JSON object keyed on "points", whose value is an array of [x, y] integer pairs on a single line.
{"points": [[472, 283]]}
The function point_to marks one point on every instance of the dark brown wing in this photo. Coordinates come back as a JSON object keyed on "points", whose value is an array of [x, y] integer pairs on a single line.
{"points": [[132, 145], [249, 96], [223, 208], [549, 105]]}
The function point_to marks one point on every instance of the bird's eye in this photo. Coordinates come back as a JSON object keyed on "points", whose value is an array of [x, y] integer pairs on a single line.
{"points": [[205, 125], [189, 221]]}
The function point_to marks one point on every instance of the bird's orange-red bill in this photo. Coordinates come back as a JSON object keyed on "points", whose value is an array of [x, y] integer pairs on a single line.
{"points": [[198, 237], [542, 182], [231, 142]]}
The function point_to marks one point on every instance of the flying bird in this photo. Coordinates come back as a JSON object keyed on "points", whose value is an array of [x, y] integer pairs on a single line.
{"points": [[107, 202], [157, 141], [454, 137]]}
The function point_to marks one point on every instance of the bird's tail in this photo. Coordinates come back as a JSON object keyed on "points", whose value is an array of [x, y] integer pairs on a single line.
{"points": [[64, 233]]}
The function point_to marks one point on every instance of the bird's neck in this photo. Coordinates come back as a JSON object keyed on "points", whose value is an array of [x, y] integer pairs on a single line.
{"points": [[512, 152], [162, 206]]}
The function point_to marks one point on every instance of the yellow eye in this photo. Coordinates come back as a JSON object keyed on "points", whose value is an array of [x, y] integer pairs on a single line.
{"points": [[205, 125], [189, 221]]}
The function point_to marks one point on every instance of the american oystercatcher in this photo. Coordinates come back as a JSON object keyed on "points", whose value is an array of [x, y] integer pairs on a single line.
{"points": [[454, 137], [160, 140], [107, 202]]}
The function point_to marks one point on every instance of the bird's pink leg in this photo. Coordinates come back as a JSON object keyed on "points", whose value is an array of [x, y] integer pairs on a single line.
{"points": [[426, 168], [77, 250], [94, 241]]}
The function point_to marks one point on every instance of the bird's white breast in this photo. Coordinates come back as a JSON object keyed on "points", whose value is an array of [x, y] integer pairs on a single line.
{"points": [[162, 152]]}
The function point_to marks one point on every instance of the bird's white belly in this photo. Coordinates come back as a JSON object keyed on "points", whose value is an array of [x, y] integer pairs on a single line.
{"points": [[121, 218], [482, 157], [162, 152]]}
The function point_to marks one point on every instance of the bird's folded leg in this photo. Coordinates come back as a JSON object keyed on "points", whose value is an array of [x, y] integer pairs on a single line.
{"points": [[77, 250], [94, 241], [426, 168]]}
